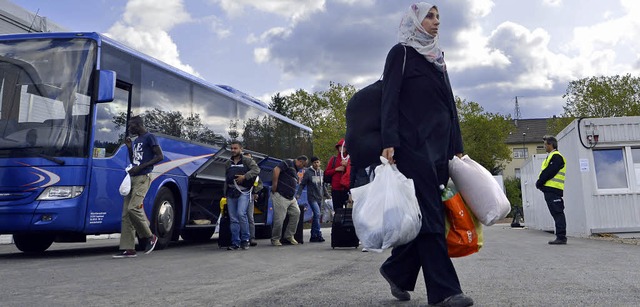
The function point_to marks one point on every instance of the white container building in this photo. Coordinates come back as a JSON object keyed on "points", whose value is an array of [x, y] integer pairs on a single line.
{"points": [[602, 185]]}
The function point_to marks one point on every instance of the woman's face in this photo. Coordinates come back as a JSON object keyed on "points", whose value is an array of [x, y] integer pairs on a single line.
{"points": [[431, 22]]}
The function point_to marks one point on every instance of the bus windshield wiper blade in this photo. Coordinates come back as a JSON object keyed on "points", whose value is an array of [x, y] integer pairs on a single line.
{"points": [[52, 159]]}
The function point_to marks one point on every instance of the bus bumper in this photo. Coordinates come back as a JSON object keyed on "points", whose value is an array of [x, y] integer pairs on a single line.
{"points": [[55, 216]]}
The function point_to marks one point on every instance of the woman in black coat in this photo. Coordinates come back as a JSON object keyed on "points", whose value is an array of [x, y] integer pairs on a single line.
{"points": [[421, 133]]}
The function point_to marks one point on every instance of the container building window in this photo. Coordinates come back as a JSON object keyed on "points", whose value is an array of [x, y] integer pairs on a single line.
{"points": [[610, 168]]}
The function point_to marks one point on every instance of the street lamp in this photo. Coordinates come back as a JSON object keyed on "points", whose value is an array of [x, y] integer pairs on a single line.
{"points": [[524, 150]]}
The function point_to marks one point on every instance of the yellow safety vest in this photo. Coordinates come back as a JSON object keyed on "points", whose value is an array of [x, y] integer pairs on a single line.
{"points": [[558, 180]]}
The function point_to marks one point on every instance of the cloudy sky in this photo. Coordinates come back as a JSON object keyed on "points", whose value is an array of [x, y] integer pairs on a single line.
{"points": [[495, 50]]}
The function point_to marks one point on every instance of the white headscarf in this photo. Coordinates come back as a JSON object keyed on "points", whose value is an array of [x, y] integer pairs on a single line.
{"points": [[411, 33]]}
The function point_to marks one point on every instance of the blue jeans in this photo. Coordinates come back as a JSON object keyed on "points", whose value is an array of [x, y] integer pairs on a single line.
{"points": [[239, 221], [315, 224]]}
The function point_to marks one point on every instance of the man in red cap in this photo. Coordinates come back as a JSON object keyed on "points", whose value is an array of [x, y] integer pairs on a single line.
{"points": [[337, 167]]}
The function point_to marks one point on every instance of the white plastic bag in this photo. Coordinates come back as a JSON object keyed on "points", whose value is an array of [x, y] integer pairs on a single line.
{"points": [[480, 191], [125, 186], [386, 212]]}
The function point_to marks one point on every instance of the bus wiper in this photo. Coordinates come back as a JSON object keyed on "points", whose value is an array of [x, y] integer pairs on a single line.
{"points": [[52, 159]]}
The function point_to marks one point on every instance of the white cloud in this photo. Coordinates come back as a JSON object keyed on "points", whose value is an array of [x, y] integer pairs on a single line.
{"points": [[552, 2], [145, 27], [261, 55], [293, 9], [218, 27], [152, 14], [601, 46]]}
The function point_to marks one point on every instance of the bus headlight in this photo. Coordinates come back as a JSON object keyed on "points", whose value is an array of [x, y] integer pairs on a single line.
{"points": [[60, 192]]}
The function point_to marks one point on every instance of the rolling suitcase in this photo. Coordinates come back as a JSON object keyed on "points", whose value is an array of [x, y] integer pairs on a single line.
{"points": [[343, 233], [298, 235]]}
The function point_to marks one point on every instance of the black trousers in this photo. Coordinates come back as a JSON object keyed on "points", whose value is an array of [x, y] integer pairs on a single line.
{"points": [[339, 198], [429, 252], [556, 208]]}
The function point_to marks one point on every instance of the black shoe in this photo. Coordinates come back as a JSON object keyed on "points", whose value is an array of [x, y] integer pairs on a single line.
{"points": [[321, 239], [398, 293], [233, 248], [558, 241], [244, 245], [458, 300], [253, 242], [151, 244]]}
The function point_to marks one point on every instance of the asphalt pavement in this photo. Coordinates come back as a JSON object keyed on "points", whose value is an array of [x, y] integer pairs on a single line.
{"points": [[516, 267]]}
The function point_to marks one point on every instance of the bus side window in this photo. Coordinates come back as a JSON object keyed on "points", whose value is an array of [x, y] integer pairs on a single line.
{"points": [[110, 127]]}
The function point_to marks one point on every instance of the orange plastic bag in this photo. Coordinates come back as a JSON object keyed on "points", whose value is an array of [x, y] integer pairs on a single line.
{"points": [[462, 228]]}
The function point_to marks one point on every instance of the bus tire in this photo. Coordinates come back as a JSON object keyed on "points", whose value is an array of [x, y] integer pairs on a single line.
{"points": [[163, 219], [33, 243], [198, 234]]}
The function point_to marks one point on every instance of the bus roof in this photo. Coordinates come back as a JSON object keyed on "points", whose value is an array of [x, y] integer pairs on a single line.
{"points": [[101, 38]]}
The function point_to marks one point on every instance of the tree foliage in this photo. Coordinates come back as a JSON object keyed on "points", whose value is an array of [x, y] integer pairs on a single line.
{"points": [[603, 97], [484, 135], [599, 97], [322, 111], [175, 124]]}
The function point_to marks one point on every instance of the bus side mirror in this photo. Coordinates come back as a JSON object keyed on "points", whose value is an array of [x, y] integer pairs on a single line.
{"points": [[106, 85]]}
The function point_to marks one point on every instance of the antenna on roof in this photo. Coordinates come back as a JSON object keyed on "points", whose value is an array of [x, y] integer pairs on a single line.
{"points": [[517, 114], [33, 20]]}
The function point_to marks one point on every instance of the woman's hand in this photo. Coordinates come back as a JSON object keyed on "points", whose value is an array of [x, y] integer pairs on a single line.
{"points": [[459, 155], [387, 153]]}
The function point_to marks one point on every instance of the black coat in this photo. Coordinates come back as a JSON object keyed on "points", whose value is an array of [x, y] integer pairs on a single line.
{"points": [[420, 120]]}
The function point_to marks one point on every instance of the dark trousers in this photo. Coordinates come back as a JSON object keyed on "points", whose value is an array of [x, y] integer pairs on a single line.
{"points": [[339, 198], [429, 252], [556, 208]]}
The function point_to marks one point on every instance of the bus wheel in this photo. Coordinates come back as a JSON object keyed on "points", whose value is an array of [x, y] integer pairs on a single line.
{"points": [[33, 243], [197, 234], [163, 219]]}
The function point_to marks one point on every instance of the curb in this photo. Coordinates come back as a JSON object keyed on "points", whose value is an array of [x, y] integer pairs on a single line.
{"points": [[8, 239]]}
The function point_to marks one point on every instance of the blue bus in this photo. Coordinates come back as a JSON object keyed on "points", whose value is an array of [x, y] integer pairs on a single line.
{"points": [[65, 99]]}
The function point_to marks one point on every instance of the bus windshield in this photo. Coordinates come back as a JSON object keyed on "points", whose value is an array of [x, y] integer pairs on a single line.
{"points": [[45, 95]]}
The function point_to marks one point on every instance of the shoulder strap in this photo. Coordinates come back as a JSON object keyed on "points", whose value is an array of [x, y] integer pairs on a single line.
{"points": [[405, 58], [404, 61]]}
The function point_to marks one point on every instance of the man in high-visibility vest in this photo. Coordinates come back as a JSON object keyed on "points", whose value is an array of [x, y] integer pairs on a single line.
{"points": [[551, 183]]}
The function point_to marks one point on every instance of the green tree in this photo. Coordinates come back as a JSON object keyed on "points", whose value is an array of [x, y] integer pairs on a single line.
{"points": [[514, 193], [599, 97], [484, 135], [322, 111]]}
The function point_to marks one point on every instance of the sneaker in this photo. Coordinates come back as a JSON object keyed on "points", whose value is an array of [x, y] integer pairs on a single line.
{"points": [[558, 241], [233, 248], [276, 243], [253, 242], [458, 300], [126, 254], [365, 250], [314, 239], [321, 239], [151, 244], [290, 241], [244, 245], [398, 293]]}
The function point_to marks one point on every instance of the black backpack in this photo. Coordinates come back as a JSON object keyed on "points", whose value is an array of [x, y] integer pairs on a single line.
{"points": [[364, 127], [332, 164], [288, 180]]}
